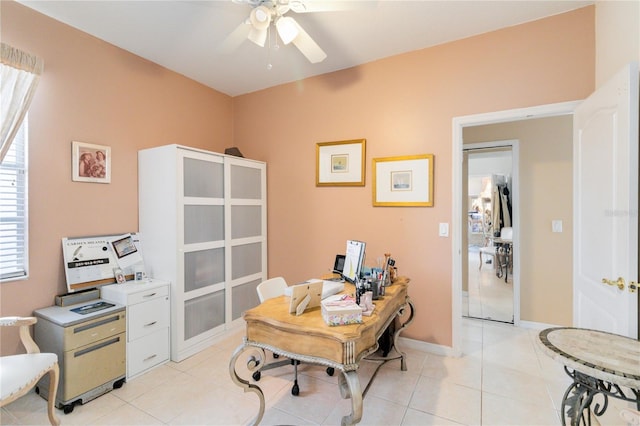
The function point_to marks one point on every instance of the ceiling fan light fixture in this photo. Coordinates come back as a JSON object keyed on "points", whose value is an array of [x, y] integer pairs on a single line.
{"points": [[260, 18], [287, 29]]}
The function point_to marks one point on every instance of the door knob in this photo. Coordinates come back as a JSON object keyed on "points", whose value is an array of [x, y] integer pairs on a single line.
{"points": [[619, 282]]}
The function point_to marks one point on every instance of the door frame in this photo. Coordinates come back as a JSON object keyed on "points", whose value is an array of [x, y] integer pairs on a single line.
{"points": [[459, 123], [514, 145]]}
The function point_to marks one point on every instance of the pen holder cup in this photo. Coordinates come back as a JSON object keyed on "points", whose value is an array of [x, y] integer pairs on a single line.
{"points": [[377, 288]]}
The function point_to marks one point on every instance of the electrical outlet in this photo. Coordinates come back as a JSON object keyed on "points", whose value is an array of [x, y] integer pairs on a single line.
{"points": [[556, 226]]}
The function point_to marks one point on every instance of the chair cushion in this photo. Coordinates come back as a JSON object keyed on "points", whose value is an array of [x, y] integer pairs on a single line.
{"points": [[20, 371]]}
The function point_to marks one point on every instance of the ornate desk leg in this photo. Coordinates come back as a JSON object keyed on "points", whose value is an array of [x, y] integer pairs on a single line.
{"points": [[349, 385], [253, 364], [403, 360]]}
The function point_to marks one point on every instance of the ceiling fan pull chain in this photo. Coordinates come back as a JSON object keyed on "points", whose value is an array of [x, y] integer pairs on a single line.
{"points": [[269, 65]]}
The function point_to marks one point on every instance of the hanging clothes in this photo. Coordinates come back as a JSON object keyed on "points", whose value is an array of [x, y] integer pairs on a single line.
{"points": [[501, 208], [505, 201]]}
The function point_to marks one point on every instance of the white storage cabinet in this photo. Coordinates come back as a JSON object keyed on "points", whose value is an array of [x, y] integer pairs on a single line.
{"points": [[147, 311], [203, 219]]}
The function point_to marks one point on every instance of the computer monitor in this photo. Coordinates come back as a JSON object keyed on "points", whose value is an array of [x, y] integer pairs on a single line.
{"points": [[354, 259], [338, 265]]}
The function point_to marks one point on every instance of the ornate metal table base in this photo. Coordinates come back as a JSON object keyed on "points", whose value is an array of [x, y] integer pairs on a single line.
{"points": [[348, 382], [578, 398]]}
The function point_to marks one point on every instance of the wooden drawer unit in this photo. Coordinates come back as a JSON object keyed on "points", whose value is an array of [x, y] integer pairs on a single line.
{"points": [[90, 348], [148, 315]]}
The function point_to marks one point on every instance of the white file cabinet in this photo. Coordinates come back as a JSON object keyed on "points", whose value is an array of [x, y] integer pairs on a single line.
{"points": [[148, 316]]}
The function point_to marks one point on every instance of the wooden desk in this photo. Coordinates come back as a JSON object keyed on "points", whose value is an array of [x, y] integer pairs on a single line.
{"points": [[599, 363], [309, 339]]}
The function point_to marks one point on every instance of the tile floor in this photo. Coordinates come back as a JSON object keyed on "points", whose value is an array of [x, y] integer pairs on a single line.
{"points": [[501, 379], [488, 296]]}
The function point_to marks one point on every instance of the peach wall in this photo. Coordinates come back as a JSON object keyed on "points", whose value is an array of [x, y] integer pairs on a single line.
{"points": [[402, 105], [94, 92]]}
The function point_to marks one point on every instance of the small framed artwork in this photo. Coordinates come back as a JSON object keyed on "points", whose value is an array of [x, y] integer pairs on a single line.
{"points": [[403, 181], [340, 163], [90, 163], [119, 274], [140, 274]]}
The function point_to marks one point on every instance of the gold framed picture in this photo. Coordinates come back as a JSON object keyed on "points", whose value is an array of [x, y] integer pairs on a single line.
{"points": [[340, 163], [90, 163], [403, 181]]}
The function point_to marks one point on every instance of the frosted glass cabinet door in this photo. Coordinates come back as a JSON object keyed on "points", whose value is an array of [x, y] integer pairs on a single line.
{"points": [[246, 182], [203, 178], [203, 223]]}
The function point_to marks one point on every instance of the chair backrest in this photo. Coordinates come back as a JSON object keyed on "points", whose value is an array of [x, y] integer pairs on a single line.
{"points": [[270, 288], [506, 233]]}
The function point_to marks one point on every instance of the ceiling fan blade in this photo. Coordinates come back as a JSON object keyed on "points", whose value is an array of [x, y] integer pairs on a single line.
{"points": [[307, 46], [236, 38], [307, 6]]}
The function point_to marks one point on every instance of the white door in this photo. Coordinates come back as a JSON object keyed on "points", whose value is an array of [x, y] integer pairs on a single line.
{"points": [[606, 207]]}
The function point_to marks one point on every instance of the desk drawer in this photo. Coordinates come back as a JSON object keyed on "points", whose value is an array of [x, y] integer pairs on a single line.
{"points": [[93, 365], [144, 296], [93, 330], [147, 352], [146, 318]]}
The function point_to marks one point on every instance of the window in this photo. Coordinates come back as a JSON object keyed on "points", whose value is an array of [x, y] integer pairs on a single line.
{"points": [[13, 209]]}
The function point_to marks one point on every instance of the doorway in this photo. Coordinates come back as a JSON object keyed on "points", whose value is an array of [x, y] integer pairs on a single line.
{"points": [[459, 219], [487, 278]]}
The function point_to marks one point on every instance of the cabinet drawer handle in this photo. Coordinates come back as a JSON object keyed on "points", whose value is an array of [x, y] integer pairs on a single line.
{"points": [[149, 358], [150, 295], [95, 324], [150, 324], [96, 347]]}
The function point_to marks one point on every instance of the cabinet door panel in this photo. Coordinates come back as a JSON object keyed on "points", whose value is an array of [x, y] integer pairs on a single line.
{"points": [[203, 268], [246, 259], [203, 223], [203, 178], [203, 313], [247, 221], [246, 182], [244, 297]]}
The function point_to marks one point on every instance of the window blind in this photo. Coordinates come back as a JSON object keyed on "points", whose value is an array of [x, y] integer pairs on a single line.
{"points": [[13, 209]]}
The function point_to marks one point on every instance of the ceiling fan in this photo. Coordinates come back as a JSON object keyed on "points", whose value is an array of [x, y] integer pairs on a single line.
{"points": [[267, 12]]}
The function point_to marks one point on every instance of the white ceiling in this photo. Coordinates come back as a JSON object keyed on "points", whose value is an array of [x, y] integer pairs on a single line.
{"points": [[185, 36]]}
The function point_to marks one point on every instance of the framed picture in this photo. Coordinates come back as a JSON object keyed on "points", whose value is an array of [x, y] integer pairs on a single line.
{"points": [[403, 181], [119, 275], [340, 163], [90, 163]]}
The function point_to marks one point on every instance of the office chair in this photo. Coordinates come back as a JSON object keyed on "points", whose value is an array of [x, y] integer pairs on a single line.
{"points": [[268, 289], [21, 372]]}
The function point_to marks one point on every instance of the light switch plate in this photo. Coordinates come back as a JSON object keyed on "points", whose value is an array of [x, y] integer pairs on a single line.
{"points": [[443, 230]]}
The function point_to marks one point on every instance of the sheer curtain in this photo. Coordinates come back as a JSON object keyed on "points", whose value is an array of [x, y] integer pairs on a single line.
{"points": [[19, 75]]}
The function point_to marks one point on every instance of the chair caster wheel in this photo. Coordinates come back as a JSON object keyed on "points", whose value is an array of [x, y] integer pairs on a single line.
{"points": [[37, 390], [276, 356], [295, 390], [118, 384], [256, 376], [330, 371], [67, 409]]}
